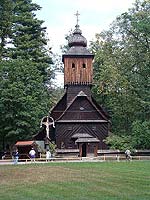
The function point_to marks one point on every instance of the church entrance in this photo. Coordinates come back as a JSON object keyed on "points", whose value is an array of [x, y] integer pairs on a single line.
{"points": [[88, 149], [84, 150], [88, 145]]}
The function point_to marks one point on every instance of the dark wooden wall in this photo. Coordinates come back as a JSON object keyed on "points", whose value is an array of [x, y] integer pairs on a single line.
{"points": [[73, 90], [64, 132]]}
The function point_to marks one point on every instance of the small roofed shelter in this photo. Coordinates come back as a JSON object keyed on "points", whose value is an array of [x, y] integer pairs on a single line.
{"points": [[85, 143], [24, 147]]}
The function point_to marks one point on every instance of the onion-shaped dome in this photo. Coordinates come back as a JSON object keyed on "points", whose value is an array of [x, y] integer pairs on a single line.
{"points": [[77, 39]]}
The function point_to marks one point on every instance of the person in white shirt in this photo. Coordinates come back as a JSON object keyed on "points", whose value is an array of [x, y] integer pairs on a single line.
{"points": [[32, 154], [48, 155], [128, 154]]}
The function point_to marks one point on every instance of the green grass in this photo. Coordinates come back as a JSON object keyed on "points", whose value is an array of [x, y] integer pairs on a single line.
{"points": [[76, 181]]}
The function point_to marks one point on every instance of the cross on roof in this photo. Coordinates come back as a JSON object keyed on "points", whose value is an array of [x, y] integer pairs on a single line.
{"points": [[77, 15]]}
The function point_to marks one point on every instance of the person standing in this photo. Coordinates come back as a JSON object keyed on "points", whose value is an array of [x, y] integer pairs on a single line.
{"points": [[48, 155], [32, 155], [15, 156]]}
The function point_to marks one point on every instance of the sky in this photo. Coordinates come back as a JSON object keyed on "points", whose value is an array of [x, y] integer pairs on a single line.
{"points": [[95, 16]]}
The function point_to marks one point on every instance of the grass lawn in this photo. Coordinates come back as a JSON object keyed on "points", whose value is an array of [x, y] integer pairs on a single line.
{"points": [[76, 181]]}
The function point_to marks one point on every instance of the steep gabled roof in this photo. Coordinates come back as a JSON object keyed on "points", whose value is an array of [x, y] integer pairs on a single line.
{"points": [[59, 104], [59, 108], [82, 94]]}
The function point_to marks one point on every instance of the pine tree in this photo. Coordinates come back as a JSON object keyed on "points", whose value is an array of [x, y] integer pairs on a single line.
{"points": [[6, 7], [29, 36], [24, 97]]}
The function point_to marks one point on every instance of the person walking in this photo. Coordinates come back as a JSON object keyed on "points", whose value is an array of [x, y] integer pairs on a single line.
{"points": [[128, 154]]}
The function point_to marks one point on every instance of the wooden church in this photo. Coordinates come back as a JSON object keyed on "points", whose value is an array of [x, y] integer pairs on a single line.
{"points": [[77, 123]]}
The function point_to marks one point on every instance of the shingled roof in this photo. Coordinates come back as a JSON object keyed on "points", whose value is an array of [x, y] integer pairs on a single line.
{"points": [[82, 94]]}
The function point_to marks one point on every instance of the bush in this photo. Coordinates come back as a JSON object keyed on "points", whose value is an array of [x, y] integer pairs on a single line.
{"points": [[119, 142], [141, 134], [52, 147]]}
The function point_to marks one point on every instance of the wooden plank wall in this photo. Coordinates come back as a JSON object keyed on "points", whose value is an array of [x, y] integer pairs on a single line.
{"points": [[73, 90], [64, 132], [78, 74]]}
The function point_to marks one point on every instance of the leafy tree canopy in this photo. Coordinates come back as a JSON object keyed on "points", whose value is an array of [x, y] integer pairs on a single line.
{"points": [[122, 68], [23, 99]]}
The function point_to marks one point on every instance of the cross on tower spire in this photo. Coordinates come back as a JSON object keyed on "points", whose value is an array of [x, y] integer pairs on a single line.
{"points": [[77, 15]]}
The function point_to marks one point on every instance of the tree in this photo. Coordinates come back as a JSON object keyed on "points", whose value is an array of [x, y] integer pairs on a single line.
{"points": [[110, 84], [6, 7], [25, 70], [122, 68], [29, 39], [134, 27], [141, 134], [23, 100], [64, 48]]}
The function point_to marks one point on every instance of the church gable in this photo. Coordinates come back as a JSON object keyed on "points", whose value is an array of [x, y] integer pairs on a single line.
{"points": [[82, 109]]}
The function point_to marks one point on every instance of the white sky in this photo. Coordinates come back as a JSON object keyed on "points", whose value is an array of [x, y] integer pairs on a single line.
{"points": [[95, 16]]}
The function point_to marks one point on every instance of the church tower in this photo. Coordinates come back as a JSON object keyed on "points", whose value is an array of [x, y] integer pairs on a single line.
{"points": [[78, 69], [79, 125]]}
